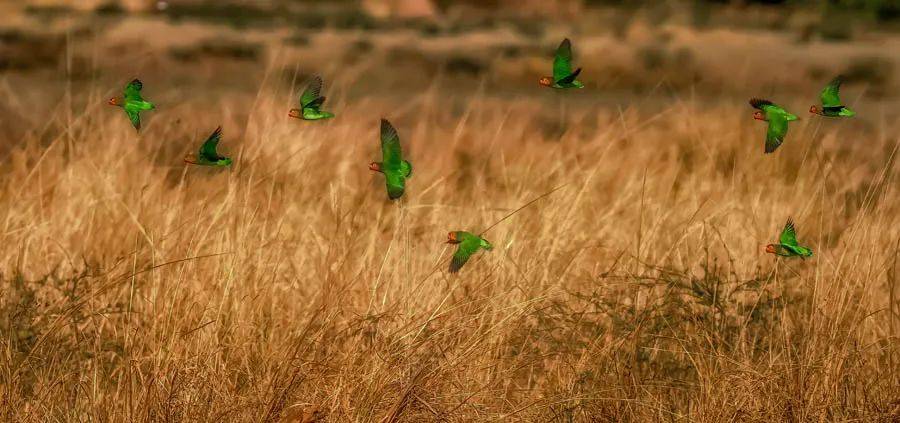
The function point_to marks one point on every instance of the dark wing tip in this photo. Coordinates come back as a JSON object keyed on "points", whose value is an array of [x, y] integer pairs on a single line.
{"points": [[565, 41], [387, 130], [316, 82], [836, 82], [455, 265], [137, 84], [789, 227], [757, 103]]}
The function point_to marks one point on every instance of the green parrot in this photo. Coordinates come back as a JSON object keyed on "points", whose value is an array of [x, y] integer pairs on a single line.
{"points": [[563, 76], [831, 101], [788, 246], [310, 101], [396, 170], [468, 244], [133, 103], [778, 119], [208, 156]]}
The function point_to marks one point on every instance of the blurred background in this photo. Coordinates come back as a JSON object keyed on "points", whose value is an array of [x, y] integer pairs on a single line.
{"points": [[640, 292], [717, 51]]}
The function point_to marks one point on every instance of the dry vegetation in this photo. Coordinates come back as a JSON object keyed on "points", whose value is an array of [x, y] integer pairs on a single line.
{"points": [[138, 289], [288, 288]]}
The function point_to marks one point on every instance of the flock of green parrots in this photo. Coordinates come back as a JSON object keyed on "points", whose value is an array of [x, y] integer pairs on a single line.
{"points": [[397, 170]]}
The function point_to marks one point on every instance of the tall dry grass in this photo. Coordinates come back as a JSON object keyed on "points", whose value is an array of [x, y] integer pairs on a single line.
{"points": [[288, 287]]}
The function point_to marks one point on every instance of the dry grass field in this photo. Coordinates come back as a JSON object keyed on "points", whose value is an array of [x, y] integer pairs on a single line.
{"points": [[288, 288]]}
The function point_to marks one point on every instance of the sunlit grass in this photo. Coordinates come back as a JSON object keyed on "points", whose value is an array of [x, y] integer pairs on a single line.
{"points": [[136, 288]]}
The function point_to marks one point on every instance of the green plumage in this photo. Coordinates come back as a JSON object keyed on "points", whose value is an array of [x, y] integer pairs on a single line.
{"points": [[468, 244], [831, 100], [208, 155], [311, 101], [788, 245], [396, 170], [563, 75], [778, 119], [134, 104]]}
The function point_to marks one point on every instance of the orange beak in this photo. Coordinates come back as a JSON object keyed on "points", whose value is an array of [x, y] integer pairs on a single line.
{"points": [[545, 81], [758, 115], [189, 159], [294, 113], [770, 249], [374, 166], [113, 102], [451, 238], [814, 110]]}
